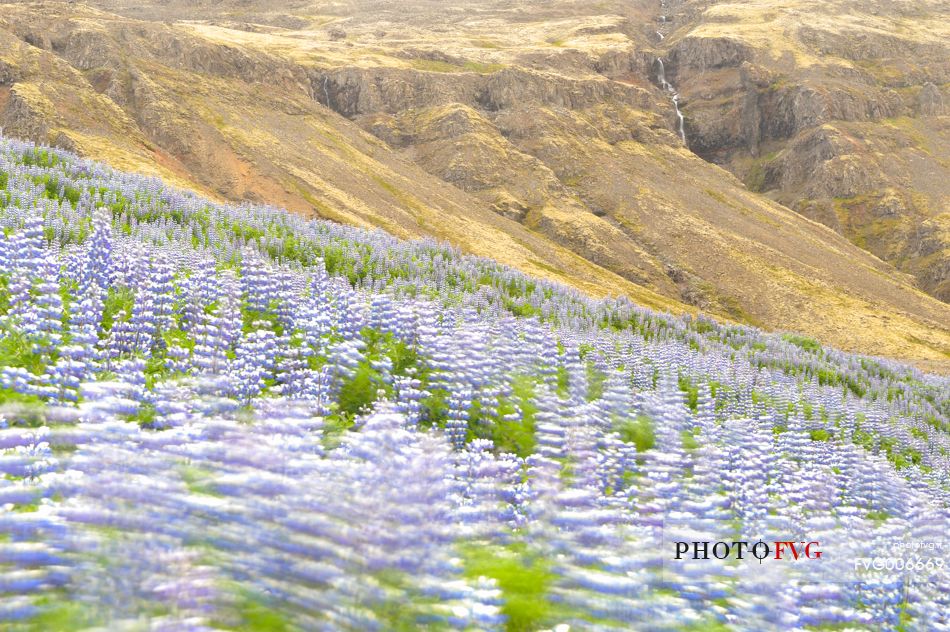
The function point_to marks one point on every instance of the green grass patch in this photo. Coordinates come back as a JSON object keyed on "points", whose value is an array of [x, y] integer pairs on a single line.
{"points": [[689, 439], [878, 516]]}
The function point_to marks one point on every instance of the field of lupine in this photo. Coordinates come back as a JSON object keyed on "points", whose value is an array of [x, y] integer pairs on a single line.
{"points": [[230, 417]]}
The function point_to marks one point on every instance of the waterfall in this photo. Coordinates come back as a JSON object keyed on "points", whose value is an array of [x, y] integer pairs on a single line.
{"points": [[675, 97]]}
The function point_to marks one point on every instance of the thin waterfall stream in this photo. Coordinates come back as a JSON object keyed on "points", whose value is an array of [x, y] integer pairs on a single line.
{"points": [[674, 96]]}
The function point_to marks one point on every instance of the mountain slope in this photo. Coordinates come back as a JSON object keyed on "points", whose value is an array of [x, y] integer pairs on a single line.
{"points": [[532, 136]]}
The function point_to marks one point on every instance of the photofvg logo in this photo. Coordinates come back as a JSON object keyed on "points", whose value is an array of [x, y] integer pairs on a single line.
{"points": [[742, 549], [831, 552]]}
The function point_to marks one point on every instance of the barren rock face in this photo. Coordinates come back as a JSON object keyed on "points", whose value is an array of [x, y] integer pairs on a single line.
{"points": [[541, 134], [695, 54], [930, 101]]}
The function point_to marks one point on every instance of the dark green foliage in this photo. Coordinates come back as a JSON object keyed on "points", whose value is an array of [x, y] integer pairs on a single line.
{"points": [[900, 458], [72, 194], [145, 416], [67, 289], [595, 382], [691, 392], [117, 300], [56, 191], [4, 294], [637, 431], [9, 396], [829, 377], [404, 357], [930, 420], [863, 439], [808, 344], [887, 444], [511, 427], [334, 260], [703, 326], [253, 613], [16, 350], [359, 392], [563, 381], [521, 309], [40, 158], [435, 408], [905, 458], [251, 317], [516, 436], [177, 337], [155, 369]]}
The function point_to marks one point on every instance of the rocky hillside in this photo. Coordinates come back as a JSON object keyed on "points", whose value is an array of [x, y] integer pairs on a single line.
{"points": [[837, 109], [534, 133]]}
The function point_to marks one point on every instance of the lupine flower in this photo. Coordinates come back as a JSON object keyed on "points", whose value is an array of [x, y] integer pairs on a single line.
{"points": [[202, 417]]}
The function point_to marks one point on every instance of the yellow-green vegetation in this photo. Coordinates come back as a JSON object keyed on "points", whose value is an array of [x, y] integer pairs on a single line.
{"points": [[486, 43], [483, 68], [432, 65], [524, 578]]}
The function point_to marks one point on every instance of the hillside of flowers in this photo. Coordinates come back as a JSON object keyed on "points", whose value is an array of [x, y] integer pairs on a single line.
{"points": [[220, 417]]}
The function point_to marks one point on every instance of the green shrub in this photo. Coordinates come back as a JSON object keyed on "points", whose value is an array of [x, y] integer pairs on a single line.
{"points": [[637, 431], [360, 391]]}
